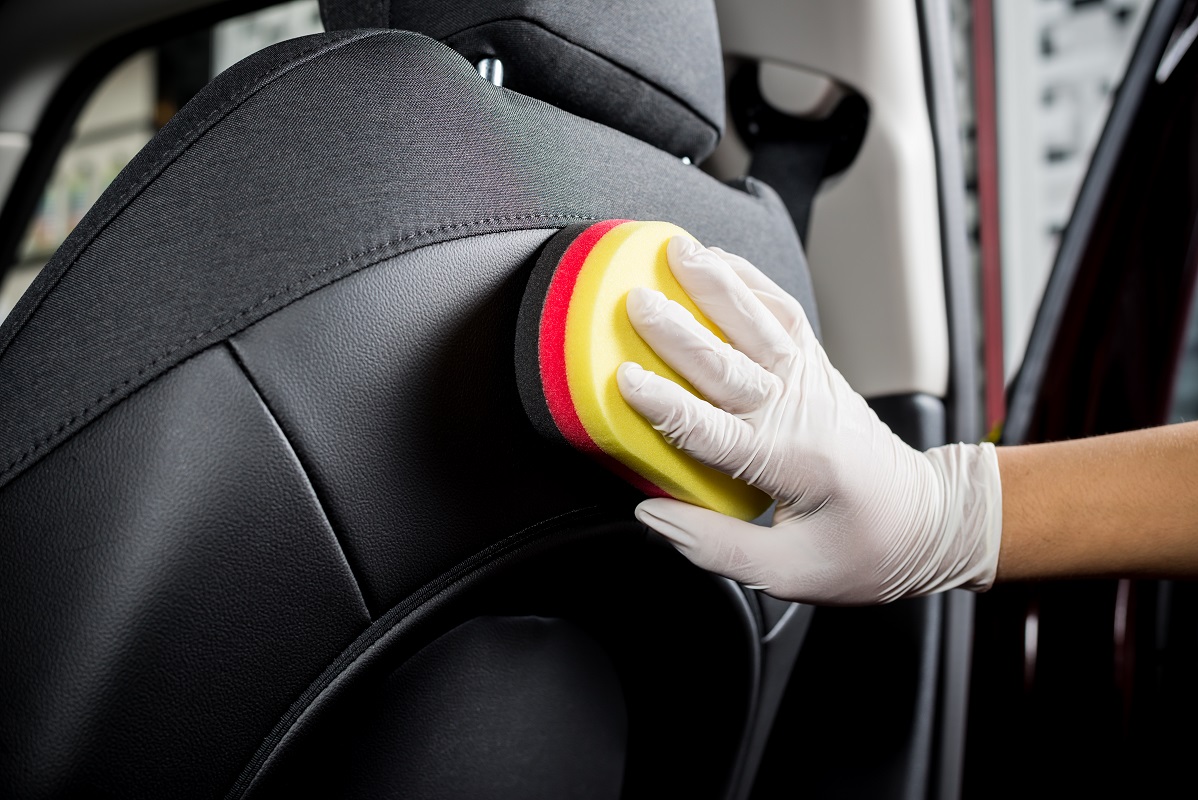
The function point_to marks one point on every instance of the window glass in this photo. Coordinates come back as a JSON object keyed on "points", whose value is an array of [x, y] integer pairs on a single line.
{"points": [[125, 111], [1185, 390], [236, 38], [116, 122], [1058, 64]]}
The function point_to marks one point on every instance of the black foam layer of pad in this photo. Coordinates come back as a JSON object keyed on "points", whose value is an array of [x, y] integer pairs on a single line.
{"points": [[528, 332]]}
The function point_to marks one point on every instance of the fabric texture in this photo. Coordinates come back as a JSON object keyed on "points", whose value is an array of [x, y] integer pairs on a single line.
{"points": [[653, 70]]}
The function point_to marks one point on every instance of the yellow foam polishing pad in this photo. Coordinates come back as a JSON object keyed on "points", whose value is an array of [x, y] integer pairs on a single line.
{"points": [[599, 337]]}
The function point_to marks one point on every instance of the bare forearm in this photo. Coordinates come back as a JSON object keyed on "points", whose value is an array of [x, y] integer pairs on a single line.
{"points": [[1125, 504]]}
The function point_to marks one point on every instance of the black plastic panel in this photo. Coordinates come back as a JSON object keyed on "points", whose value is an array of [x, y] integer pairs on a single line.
{"points": [[918, 419], [857, 719]]}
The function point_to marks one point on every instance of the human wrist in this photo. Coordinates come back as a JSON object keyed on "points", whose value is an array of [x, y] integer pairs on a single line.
{"points": [[966, 542]]}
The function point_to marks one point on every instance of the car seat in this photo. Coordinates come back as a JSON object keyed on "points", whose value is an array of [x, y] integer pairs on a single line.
{"points": [[272, 519]]}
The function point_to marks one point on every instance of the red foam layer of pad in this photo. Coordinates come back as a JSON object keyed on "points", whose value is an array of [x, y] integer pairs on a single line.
{"points": [[552, 354]]}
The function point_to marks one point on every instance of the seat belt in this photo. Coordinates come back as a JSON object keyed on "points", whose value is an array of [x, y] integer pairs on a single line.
{"points": [[795, 155]]}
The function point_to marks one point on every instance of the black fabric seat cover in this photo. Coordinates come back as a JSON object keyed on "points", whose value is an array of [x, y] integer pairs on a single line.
{"points": [[259, 410], [651, 69]]}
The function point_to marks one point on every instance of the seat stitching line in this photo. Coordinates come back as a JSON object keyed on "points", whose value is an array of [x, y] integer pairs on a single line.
{"points": [[189, 138], [47, 438]]}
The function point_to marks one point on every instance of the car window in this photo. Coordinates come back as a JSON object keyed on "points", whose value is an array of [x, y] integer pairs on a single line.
{"points": [[125, 111], [1185, 388], [1057, 65]]}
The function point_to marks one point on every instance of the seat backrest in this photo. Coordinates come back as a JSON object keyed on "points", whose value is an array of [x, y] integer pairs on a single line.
{"points": [[271, 516]]}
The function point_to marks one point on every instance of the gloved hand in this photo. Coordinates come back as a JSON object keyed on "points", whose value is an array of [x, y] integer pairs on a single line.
{"points": [[861, 517]]}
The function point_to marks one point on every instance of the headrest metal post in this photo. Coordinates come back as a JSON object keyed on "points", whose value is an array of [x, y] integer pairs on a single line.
{"points": [[492, 70]]}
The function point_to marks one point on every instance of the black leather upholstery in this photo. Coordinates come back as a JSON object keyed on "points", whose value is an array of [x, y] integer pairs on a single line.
{"points": [[527, 696], [169, 584], [262, 443], [669, 633], [412, 365]]}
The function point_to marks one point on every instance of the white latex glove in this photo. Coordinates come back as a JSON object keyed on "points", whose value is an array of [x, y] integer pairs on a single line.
{"points": [[861, 517]]}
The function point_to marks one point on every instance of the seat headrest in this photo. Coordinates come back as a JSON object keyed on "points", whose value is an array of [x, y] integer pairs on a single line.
{"points": [[650, 68]]}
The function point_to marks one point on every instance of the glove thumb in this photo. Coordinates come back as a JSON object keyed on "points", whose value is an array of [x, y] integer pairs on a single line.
{"points": [[730, 547]]}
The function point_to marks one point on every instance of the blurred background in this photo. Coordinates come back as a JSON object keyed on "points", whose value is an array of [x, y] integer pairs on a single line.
{"points": [[125, 111]]}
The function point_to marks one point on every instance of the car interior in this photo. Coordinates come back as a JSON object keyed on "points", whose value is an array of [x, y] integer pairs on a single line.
{"points": [[273, 521]]}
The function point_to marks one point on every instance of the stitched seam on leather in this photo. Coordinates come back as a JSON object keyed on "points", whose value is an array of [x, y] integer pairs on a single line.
{"points": [[446, 581], [602, 57], [189, 138], [48, 438], [303, 470]]}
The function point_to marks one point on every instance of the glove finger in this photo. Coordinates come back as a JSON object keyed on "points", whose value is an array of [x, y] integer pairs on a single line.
{"points": [[785, 308], [729, 303], [739, 550], [785, 562], [696, 427], [788, 311], [724, 375]]}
